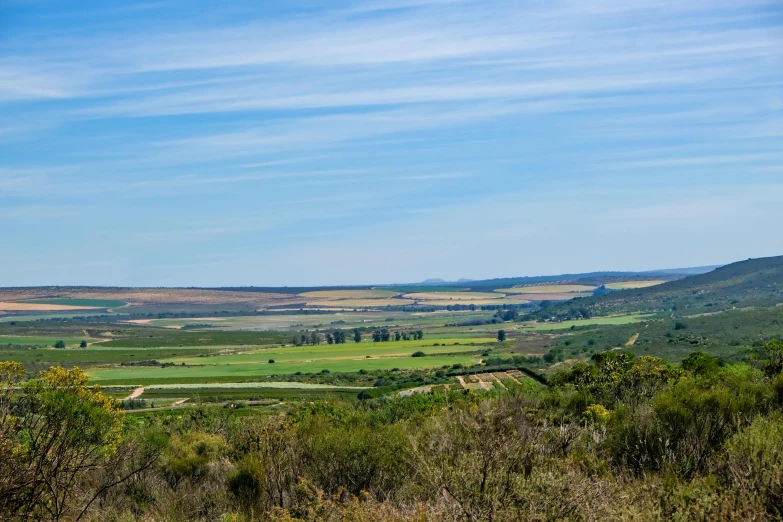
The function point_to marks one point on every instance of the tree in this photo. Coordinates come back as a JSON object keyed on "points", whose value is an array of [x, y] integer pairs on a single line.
{"points": [[60, 432], [376, 336], [329, 339], [419, 335], [357, 336], [83, 344], [59, 344], [385, 335], [315, 338], [501, 335], [397, 336]]}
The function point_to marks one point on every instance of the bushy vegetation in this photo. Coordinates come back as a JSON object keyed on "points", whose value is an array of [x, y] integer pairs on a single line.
{"points": [[618, 437]]}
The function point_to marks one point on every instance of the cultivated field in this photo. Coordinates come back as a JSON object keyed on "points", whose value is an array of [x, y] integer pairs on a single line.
{"points": [[547, 289], [360, 303], [625, 285], [350, 294], [451, 296]]}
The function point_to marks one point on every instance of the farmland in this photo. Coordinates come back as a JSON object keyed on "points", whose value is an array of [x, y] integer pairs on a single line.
{"points": [[625, 285], [547, 289], [220, 338]]}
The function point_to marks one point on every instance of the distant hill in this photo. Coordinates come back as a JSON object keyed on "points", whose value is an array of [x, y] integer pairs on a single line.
{"points": [[588, 278], [755, 282]]}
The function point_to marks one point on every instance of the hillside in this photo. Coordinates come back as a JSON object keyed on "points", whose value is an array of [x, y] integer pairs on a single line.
{"points": [[751, 283]]}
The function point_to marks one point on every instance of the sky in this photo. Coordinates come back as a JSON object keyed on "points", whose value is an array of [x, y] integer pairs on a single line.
{"points": [[189, 143]]}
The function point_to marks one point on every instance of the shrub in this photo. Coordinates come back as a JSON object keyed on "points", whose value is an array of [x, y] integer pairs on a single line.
{"points": [[753, 462], [418, 354]]}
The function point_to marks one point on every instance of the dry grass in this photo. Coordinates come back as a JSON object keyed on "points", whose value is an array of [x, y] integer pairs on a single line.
{"points": [[350, 294], [564, 296], [633, 284], [452, 296], [546, 289], [477, 302], [360, 303], [140, 296]]}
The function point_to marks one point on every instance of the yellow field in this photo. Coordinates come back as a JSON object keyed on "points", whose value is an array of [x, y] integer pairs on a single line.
{"points": [[546, 289], [360, 303], [477, 302], [633, 284], [452, 296], [350, 294]]}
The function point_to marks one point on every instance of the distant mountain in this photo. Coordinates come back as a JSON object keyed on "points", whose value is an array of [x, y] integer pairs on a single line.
{"points": [[751, 283], [587, 278]]}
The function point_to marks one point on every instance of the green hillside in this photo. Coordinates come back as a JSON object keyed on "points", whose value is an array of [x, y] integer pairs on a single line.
{"points": [[751, 283]]}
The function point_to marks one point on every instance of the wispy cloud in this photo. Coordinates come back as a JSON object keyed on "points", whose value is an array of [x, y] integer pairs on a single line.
{"points": [[280, 123]]}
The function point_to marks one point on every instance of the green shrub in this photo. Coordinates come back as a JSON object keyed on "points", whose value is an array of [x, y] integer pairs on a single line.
{"points": [[753, 461]]}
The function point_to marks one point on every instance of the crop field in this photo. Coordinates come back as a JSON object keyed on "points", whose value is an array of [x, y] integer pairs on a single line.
{"points": [[163, 337], [87, 303], [616, 320], [35, 307], [350, 294], [451, 296], [360, 303], [625, 285], [70, 342], [547, 289], [142, 375], [478, 302], [94, 355]]}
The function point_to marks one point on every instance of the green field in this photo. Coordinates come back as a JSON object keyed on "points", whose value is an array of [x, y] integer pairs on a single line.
{"points": [[163, 337], [620, 319], [344, 320], [91, 303], [70, 342], [142, 375]]}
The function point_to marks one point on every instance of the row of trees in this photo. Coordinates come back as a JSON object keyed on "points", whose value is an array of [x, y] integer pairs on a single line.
{"points": [[336, 336], [61, 344], [384, 335]]}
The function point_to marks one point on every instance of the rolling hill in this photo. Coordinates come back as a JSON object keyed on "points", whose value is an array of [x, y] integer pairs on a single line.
{"points": [[751, 283]]}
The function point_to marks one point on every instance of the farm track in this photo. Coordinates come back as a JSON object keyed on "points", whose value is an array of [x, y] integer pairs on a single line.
{"points": [[135, 395]]}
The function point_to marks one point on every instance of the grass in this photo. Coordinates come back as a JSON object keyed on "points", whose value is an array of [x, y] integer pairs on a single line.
{"points": [[167, 337], [331, 352], [67, 301], [142, 375], [70, 342], [616, 320], [546, 289], [350, 294], [220, 394], [93, 356], [632, 284]]}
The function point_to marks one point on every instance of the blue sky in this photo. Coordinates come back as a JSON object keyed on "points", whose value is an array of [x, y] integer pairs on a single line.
{"points": [[303, 143]]}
